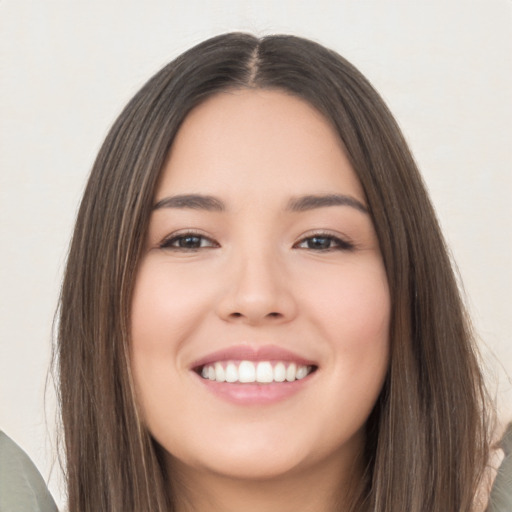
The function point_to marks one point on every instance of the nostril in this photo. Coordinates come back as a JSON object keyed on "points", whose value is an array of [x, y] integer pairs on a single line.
{"points": [[273, 314]]}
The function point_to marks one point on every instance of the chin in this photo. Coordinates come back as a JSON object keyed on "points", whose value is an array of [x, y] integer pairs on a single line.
{"points": [[243, 465], [265, 457]]}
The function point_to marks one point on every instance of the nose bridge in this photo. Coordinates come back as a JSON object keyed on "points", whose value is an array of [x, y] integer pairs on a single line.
{"points": [[257, 289], [257, 274]]}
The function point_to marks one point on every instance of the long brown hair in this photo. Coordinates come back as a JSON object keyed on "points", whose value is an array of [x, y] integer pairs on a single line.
{"points": [[427, 437]]}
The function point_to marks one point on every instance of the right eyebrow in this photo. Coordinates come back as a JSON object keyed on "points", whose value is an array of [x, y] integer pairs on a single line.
{"points": [[192, 201]]}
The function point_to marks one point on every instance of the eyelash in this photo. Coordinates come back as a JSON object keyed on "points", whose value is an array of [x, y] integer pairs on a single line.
{"points": [[335, 243], [178, 237]]}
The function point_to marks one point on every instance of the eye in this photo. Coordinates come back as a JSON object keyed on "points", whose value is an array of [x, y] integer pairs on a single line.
{"points": [[188, 242], [324, 242]]}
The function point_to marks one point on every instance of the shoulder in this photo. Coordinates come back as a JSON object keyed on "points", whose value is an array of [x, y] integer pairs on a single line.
{"points": [[22, 488], [501, 494]]}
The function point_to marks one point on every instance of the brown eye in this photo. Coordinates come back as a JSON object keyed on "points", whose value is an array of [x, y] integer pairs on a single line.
{"points": [[324, 243], [319, 243], [188, 242]]}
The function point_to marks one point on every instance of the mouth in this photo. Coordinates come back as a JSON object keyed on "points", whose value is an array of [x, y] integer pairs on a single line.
{"points": [[247, 375]]}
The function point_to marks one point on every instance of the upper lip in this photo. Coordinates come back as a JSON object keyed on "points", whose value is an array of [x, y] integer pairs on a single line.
{"points": [[252, 353]]}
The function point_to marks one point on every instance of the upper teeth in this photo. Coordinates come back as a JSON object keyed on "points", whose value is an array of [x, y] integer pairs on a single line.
{"points": [[248, 371]]}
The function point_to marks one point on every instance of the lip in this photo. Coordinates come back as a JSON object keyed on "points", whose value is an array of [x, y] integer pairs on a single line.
{"points": [[253, 393], [252, 353]]}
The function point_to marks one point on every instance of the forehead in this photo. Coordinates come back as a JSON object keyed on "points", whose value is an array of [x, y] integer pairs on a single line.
{"points": [[257, 141]]}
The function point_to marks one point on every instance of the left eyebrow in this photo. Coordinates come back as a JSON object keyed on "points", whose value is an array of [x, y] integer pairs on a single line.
{"points": [[310, 202], [191, 201]]}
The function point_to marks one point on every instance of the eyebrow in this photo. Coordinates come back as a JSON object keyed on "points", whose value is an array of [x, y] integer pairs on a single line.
{"points": [[296, 204], [310, 202], [192, 201]]}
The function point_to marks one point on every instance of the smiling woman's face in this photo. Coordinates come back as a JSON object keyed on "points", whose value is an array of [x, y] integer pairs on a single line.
{"points": [[260, 314]]}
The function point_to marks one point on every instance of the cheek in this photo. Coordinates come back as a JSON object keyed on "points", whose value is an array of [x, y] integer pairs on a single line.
{"points": [[164, 312], [352, 305], [165, 305], [352, 310]]}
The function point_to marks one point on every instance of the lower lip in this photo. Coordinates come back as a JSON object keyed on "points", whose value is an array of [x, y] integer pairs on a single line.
{"points": [[254, 393]]}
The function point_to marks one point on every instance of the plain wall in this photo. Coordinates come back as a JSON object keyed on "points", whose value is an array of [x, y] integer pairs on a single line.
{"points": [[67, 69]]}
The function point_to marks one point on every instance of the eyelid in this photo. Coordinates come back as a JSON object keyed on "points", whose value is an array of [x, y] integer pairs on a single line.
{"points": [[343, 242], [183, 233]]}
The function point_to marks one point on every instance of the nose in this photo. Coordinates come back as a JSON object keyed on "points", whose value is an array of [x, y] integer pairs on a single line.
{"points": [[257, 291]]}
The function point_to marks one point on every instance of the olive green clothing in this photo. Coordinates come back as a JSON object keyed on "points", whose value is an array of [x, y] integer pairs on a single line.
{"points": [[501, 494], [22, 488]]}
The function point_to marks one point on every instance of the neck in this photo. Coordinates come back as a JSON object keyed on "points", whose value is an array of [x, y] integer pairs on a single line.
{"points": [[327, 488]]}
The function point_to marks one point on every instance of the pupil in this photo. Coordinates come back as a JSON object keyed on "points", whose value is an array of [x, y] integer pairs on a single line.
{"points": [[190, 242], [319, 243]]}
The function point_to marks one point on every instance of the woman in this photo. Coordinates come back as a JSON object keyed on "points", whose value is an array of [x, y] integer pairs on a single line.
{"points": [[258, 309]]}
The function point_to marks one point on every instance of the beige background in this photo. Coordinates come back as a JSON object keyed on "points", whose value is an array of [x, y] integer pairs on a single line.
{"points": [[67, 68]]}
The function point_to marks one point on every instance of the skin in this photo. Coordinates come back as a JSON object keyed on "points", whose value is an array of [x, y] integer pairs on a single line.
{"points": [[258, 277]]}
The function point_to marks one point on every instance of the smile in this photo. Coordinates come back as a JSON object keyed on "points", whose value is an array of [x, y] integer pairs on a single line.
{"points": [[254, 374], [262, 372]]}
